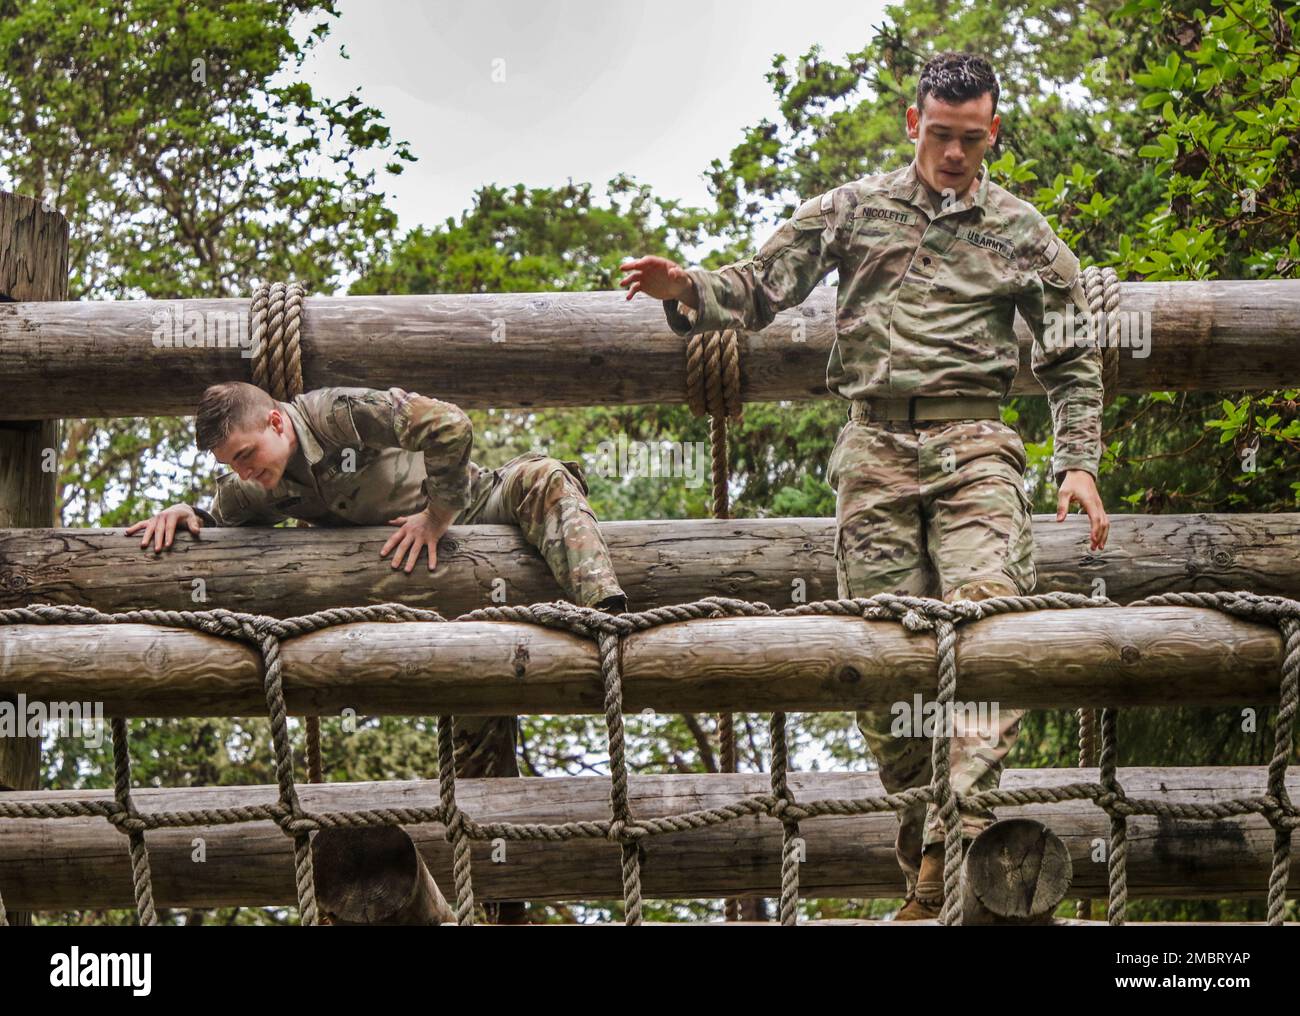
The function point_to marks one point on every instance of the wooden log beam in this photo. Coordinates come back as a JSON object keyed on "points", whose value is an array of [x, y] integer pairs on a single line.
{"points": [[282, 572], [1016, 872], [375, 876], [66, 863], [560, 349], [1119, 656]]}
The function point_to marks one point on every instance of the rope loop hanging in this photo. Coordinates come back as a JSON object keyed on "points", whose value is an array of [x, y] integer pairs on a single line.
{"points": [[1101, 286], [713, 388], [276, 324]]}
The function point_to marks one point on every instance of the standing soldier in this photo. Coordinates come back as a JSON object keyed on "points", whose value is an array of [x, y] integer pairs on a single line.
{"points": [[933, 264], [365, 457]]}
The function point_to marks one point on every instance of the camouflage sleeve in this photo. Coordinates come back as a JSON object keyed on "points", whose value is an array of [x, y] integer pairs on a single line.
{"points": [[747, 295], [1069, 368], [237, 503], [396, 418]]}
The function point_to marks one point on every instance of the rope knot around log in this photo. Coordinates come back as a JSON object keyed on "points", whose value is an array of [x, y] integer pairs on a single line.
{"points": [[1280, 813], [713, 374], [126, 820], [298, 824], [786, 810], [276, 326], [1114, 801], [626, 831]]}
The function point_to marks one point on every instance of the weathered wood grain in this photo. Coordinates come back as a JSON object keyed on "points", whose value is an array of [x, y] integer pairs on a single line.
{"points": [[34, 268], [77, 359], [283, 572], [83, 862], [1090, 656]]}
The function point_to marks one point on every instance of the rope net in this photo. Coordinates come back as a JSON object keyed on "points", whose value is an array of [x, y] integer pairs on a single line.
{"points": [[915, 614]]}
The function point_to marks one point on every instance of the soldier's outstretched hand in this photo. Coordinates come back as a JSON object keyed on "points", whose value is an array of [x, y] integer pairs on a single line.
{"points": [[1079, 487], [161, 529], [415, 533], [657, 277]]}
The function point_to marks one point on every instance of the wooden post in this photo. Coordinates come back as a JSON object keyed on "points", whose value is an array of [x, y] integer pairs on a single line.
{"points": [[1016, 872], [375, 876], [33, 267]]}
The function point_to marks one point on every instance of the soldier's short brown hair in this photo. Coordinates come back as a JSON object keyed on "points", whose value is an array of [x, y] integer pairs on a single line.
{"points": [[956, 77], [231, 405]]}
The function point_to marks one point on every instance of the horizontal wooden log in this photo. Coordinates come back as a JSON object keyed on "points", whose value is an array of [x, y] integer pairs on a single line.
{"points": [[1087, 656], [99, 358], [282, 572], [83, 862]]}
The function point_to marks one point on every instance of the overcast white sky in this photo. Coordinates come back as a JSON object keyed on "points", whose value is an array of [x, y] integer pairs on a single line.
{"points": [[590, 89]]}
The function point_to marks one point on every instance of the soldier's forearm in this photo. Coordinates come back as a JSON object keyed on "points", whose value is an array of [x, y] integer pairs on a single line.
{"points": [[688, 296], [440, 514]]}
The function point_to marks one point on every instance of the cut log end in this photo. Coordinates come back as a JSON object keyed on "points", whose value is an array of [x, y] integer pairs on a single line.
{"points": [[1016, 872], [375, 876]]}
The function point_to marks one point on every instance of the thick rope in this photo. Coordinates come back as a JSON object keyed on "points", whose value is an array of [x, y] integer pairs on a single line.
{"points": [[277, 333], [277, 313], [790, 845], [917, 615], [713, 387], [1087, 759], [1101, 286], [141, 876], [455, 822]]}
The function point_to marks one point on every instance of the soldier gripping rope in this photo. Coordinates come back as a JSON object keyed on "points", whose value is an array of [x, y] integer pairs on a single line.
{"points": [[368, 457], [934, 260]]}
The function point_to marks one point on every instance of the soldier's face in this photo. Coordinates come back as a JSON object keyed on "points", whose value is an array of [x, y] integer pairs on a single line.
{"points": [[259, 454], [951, 141]]}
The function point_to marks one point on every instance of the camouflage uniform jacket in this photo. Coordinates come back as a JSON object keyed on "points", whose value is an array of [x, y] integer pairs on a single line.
{"points": [[926, 300], [364, 456]]}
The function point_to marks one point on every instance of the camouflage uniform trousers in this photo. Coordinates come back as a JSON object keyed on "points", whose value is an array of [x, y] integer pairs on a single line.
{"points": [[937, 509], [547, 499]]}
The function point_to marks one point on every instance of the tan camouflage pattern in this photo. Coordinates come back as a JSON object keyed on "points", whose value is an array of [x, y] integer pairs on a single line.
{"points": [[365, 456], [926, 298], [546, 498], [933, 509]]}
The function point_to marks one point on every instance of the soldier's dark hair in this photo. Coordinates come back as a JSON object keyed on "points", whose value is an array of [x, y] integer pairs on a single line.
{"points": [[231, 405], [956, 77]]}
